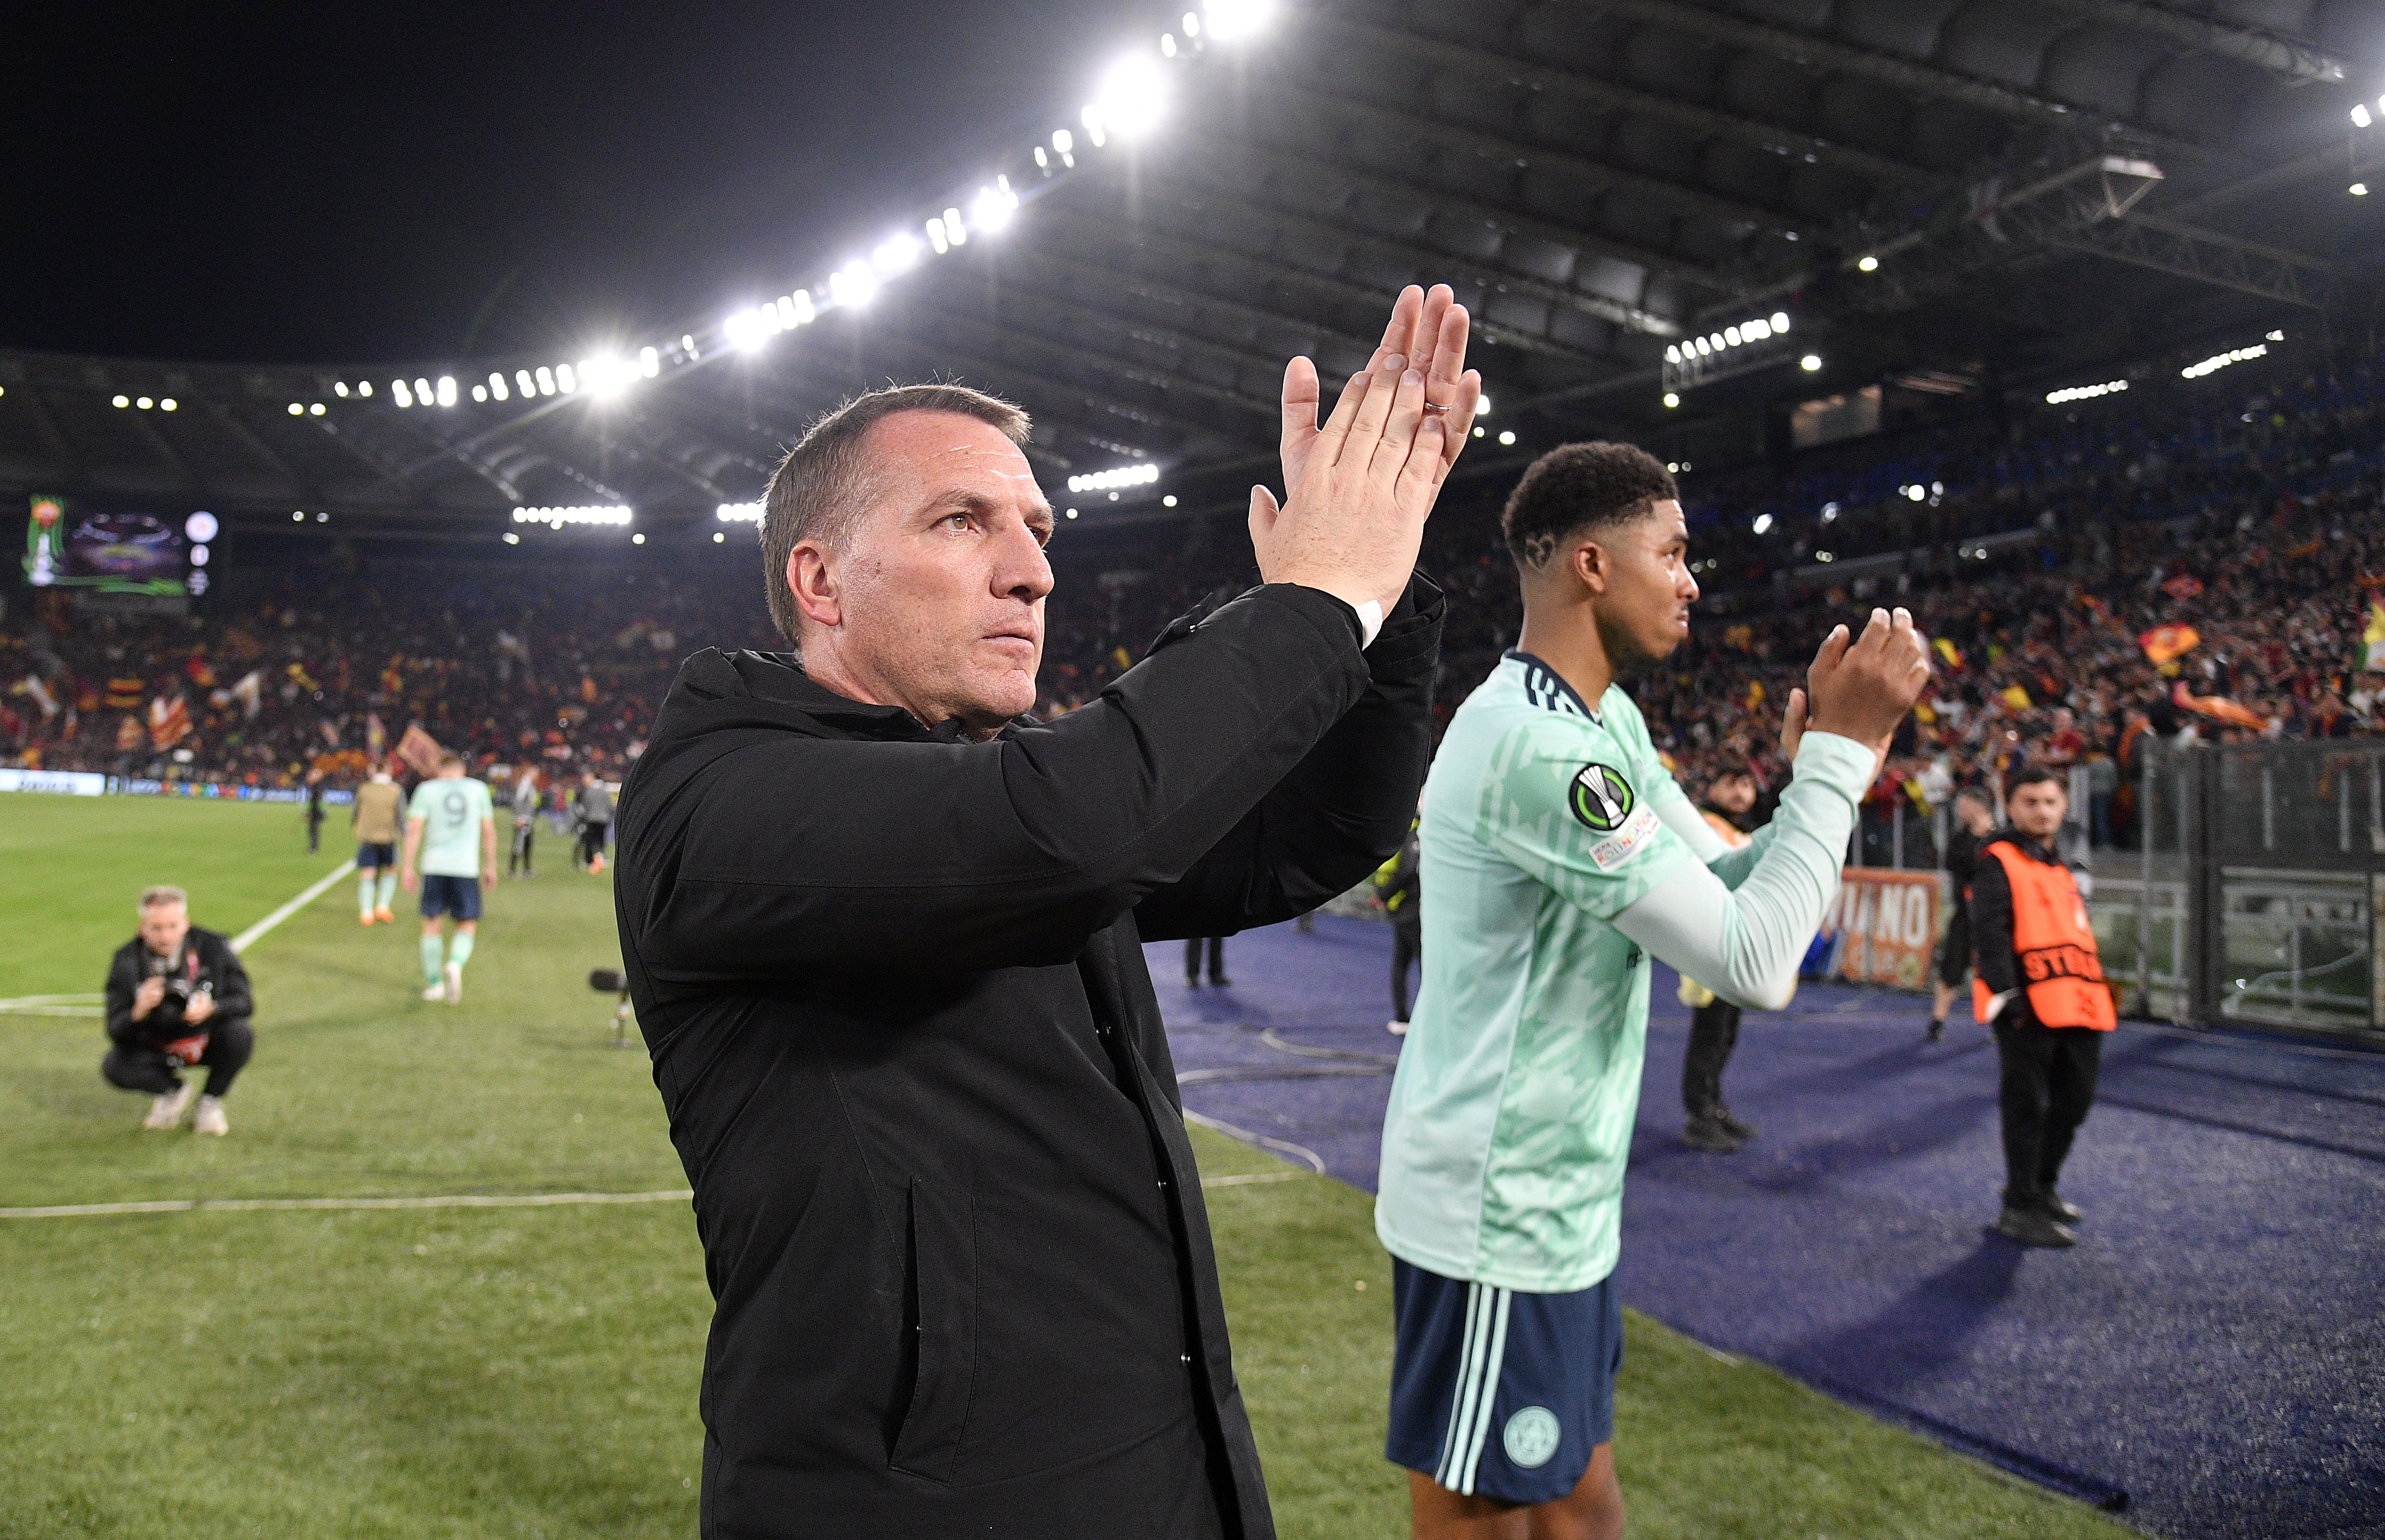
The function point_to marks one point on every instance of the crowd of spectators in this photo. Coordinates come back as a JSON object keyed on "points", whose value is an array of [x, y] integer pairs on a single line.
{"points": [[2041, 554]]}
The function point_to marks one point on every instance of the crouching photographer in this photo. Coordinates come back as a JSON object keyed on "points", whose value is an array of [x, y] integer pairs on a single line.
{"points": [[177, 997]]}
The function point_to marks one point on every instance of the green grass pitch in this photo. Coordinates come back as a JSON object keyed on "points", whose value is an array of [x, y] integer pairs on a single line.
{"points": [[524, 1371]]}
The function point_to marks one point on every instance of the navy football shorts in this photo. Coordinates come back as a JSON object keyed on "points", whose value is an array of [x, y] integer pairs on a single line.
{"points": [[1496, 1393], [376, 856], [446, 895]]}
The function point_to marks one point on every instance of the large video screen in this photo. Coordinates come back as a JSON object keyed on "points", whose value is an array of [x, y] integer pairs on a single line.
{"points": [[79, 545]]}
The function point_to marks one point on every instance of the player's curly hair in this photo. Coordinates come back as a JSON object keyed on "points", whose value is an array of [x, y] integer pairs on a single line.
{"points": [[1575, 489]]}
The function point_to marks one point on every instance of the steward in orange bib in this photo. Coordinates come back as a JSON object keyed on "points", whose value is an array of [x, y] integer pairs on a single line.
{"points": [[2040, 983]]}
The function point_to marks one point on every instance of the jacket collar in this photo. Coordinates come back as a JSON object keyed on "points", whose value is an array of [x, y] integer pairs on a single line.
{"points": [[773, 687], [2038, 851]]}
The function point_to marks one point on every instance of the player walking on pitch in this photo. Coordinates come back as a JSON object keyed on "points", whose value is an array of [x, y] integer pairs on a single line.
{"points": [[1560, 855], [375, 815], [452, 828]]}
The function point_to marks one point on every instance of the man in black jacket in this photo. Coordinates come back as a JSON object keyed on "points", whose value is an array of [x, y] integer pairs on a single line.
{"points": [[177, 996], [884, 940]]}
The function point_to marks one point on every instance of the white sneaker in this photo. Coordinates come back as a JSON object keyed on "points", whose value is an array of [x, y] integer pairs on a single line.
{"points": [[452, 991], [166, 1110], [210, 1119], [435, 993], [1397, 1029]]}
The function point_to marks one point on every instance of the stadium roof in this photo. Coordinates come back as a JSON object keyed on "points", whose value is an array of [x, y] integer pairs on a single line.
{"points": [[1957, 195]]}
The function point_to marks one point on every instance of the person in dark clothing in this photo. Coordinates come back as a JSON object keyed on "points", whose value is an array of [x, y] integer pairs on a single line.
{"points": [[1729, 808], [314, 811], [177, 996], [884, 941], [2040, 984], [1973, 823], [1216, 946], [596, 810], [1399, 890]]}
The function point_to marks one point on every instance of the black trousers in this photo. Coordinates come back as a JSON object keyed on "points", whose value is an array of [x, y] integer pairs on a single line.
{"points": [[1217, 957], [1713, 1032], [1407, 949], [591, 842], [523, 833], [1955, 952], [139, 1066], [2048, 1083]]}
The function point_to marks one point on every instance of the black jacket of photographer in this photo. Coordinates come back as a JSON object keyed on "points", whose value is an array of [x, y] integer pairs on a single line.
{"points": [[205, 962], [894, 985]]}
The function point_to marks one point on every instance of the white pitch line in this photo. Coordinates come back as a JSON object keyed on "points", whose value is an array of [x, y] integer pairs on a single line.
{"points": [[250, 936], [454, 1200], [55, 1005]]}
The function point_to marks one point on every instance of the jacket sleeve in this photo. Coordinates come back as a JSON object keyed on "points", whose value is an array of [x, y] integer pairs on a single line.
{"points": [[233, 997], [1345, 807], [792, 856], [1992, 924], [123, 978]]}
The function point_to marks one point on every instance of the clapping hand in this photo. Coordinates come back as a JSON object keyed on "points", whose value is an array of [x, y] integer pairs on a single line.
{"points": [[1860, 689]]}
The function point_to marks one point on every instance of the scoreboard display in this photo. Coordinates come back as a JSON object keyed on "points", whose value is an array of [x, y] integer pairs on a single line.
{"points": [[78, 545]]}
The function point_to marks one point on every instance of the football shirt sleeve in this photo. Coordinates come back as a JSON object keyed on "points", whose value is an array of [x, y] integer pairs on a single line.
{"points": [[1745, 943], [1564, 801]]}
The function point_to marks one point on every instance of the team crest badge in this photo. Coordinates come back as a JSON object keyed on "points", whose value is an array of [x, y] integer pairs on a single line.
{"points": [[1602, 799]]}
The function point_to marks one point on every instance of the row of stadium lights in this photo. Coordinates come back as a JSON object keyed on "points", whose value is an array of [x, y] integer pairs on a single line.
{"points": [[2362, 117], [1759, 328], [1130, 102]]}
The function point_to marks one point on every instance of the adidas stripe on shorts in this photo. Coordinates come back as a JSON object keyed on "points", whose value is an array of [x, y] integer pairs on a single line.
{"points": [[1497, 1393]]}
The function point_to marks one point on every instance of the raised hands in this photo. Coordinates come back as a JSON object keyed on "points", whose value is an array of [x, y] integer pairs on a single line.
{"points": [[1359, 485], [1860, 689]]}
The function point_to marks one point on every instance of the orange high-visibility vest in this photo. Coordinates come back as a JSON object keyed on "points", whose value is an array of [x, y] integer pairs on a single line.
{"points": [[2053, 946]]}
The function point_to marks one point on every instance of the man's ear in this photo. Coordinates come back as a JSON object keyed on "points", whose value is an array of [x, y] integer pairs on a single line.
{"points": [[1592, 566], [813, 582]]}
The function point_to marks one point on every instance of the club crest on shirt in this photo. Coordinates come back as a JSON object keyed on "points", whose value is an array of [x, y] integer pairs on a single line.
{"points": [[1602, 799]]}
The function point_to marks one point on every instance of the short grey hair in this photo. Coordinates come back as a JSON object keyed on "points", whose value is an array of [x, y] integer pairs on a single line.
{"points": [[162, 895], [824, 482]]}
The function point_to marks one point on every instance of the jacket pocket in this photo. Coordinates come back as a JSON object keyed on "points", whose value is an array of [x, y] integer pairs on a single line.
{"points": [[940, 1312]]}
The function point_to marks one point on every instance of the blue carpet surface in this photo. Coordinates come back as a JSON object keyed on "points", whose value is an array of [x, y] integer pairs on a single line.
{"points": [[2214, 1346]]}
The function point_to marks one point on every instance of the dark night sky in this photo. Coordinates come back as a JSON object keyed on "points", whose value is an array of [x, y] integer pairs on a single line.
{"points": [[286, 182]]}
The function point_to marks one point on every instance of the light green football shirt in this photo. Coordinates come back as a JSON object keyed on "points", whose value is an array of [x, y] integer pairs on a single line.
{"points": [[451, 809], [1511, 1113]]}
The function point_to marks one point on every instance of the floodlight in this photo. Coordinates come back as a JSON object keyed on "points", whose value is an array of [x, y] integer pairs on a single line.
{"points": [[1810, 362], [1062, 142], [123, 401], [1192, 24], [1167, 44], [1506, 436], [522, 382], [1869, 263], [650, 363], [1672, 399], [604, 375], [2360, 118], [1231, 21], [201, 526], [991, 209], [512, 539], [1763, 522], [637, 540], [497, 386], [1133, 98], [853, 285], [364, 388], [954, 232], [446, 391], [936, 235], [744, 330], [896, 254], [144, 403], [199, 554], [1482, 406], [297, 409], [546, 380], [739, 513], [718, 537], [168, 404], [298, 515], [315, 409], [566, 382], [2360, 190], [340, 388], [1781, 323], [423, 392], [479, 393], [1756, 329], [399, 393], [803, 306], [1672, 352], [1168, 502], [1731, 336]]}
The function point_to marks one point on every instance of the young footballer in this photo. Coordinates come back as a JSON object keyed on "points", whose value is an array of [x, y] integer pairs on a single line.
{"points": [[1561, 856], [375, 813], [453, 828]]}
